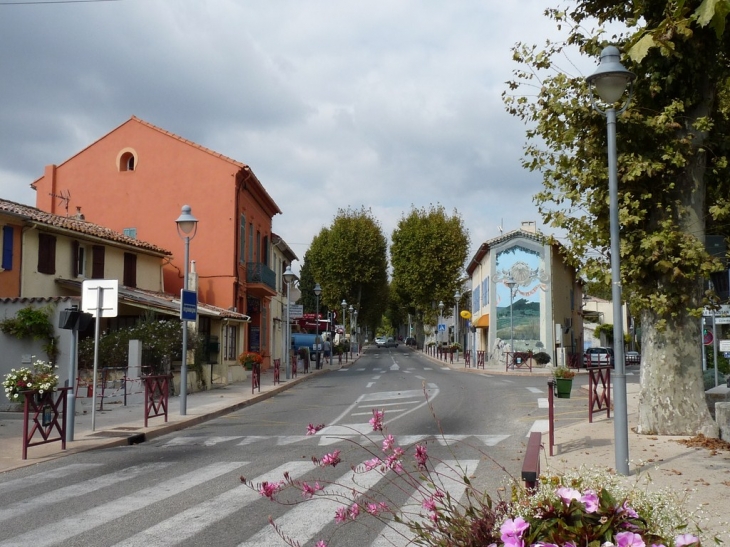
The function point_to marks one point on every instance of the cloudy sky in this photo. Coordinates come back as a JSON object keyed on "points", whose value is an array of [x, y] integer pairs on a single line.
{"points": [[333, 103]]}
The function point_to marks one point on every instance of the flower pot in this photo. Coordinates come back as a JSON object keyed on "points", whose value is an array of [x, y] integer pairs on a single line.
{"points": [[563, 386]]}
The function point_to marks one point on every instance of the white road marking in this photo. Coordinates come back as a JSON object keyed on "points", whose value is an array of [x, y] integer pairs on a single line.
{"points": [[76, 490], [187, 524], [291, 439], [542, 402], [541, 426], [209, 441], [448, 478], [58, 532], [534, 390], [383, 405], [377, 377], [420, 377], [395, 367], [45, 476], [307, 519], [391, 411]]}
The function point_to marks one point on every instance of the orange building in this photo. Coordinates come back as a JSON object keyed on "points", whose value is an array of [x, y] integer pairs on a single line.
{"points": [[136, 179]]}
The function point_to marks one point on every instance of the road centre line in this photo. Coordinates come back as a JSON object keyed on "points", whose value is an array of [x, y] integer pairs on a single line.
{"points": [[393, 404], [370, 413]]}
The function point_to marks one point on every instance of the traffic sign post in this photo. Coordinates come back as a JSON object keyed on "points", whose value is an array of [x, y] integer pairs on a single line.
{"points": [[188, 305]]}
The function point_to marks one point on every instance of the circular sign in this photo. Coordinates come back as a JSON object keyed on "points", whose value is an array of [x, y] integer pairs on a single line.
{"points": [[465, 314], [707, 338]]}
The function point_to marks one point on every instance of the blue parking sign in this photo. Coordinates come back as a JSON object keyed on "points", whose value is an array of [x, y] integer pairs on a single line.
{"points": [[188, 305]]}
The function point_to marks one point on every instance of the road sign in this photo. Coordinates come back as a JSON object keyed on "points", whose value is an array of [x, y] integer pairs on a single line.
{"points": [[94, 289], [707, 338], [188, 305], [442, 327], [724, 345], [296, 311], [722, 320]]}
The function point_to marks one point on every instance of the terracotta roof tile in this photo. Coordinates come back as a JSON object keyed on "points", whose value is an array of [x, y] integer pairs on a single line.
{"points": [[75, 225]]}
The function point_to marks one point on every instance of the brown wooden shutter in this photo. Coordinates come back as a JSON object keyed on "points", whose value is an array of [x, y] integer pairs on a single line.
{"points": [[74, 259], [130, 270], [46, 254], [97, 269]]}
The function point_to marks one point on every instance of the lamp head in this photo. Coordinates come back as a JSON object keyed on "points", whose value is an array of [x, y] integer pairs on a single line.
{"points": [[441, 305], [510, 282], [186, 222], [344, 303], [289, 275], [457, 296], [610, 78], [317, 290]]}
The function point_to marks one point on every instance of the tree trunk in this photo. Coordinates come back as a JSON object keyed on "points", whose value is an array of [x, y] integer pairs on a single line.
{"points": [[672, 399]]}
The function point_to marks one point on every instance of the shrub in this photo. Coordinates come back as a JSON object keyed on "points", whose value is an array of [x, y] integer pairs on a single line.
{"points": [[541, 358]]}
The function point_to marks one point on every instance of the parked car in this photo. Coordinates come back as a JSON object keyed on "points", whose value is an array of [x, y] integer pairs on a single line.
{"points": [[632, 358], [391, 343], [598, 357], [380, 341], [411, 342]]}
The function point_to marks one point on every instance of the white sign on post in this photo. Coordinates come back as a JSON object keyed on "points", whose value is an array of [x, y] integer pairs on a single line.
{"points": [[724, 345], [90, 291]]}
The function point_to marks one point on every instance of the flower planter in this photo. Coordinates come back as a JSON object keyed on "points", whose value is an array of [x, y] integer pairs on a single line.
{"points": [[563, 387]]}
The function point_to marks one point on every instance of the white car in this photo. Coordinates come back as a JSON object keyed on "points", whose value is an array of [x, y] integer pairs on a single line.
{"points": [[381, 341]]}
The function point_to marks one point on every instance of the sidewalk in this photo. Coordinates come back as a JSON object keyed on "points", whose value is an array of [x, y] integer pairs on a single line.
{"points": [[700, 475], [119, 425]]}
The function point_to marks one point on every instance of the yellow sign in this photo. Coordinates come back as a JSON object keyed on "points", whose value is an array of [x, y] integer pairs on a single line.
{"points": [[465, 314]]}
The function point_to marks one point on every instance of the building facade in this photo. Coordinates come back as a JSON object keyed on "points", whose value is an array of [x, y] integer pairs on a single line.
{"points": [[136, 179], [525, 297]]}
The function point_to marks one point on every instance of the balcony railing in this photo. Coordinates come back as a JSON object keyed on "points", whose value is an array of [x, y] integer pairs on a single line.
{"points": [[260, 273]]}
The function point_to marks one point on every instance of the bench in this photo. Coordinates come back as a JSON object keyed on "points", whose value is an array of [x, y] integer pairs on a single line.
{"points": [[531, 464]]}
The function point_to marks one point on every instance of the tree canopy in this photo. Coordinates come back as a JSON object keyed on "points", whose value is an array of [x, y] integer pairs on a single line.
{"points": [[349, 261], [428, 252], [673, 146]]}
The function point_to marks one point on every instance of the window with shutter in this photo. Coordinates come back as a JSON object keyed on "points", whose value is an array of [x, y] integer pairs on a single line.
{"points": [[97, 262], [7, 243], [242, 240], [130, 270], [46, 254]]}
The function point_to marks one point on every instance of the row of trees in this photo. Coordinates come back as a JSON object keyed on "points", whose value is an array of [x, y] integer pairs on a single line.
{"points": [[349, 260]]}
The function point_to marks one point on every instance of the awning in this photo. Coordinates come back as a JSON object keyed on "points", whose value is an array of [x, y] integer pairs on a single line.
{"points": [[482, 322]]}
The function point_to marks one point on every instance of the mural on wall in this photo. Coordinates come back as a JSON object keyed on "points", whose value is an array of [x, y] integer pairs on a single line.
{"points": [[519, 313]]}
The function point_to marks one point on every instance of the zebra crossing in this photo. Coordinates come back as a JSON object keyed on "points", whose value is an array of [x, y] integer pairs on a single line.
{"points": [[302, 521]]}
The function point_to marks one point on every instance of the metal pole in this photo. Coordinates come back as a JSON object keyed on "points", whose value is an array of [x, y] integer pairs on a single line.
{"points": [[71, 396], [714, 348], [316, 335], [511, 322], [456, 329], [287, 345], [184, 367], [97, 331], [621, 425]]}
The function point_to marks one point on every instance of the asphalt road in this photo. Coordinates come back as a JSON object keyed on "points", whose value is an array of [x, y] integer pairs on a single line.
{"points": [[184, 489]]}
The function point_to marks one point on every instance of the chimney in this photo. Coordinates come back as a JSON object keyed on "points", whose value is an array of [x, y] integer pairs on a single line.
{"points": [[79, 215]]}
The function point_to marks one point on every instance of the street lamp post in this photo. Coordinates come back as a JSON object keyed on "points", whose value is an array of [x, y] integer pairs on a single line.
{"points": [[289, 276], [351, 309], [317, 292], [441, 319], [344, 319], [357, 338], [511, 284], [186, 223], [610, 80], [457, 297]]}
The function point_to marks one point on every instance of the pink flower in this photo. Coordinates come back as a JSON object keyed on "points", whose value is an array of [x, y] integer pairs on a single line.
{"points": [[421, 455], [354, 511], [388, 443], [308, 491], [321, 543], [312, 429], [567, 494], [377, 420], [685, 539], [628, 510], [513, 528], [513, 542], [590, 500], [372, 464], [268, 489], [341, 514], [331, 459], [629, 539]]}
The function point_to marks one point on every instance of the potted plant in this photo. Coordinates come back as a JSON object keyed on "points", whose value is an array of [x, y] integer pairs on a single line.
{"points": [[41, 380], [563, 381], [249, 358], [541, 358]]}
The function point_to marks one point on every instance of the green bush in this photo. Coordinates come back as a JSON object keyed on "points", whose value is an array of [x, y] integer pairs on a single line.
{"points": [[541, 358], [709, 378]]}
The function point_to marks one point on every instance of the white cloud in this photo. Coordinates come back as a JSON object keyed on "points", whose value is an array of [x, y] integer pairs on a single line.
{"points": [[385, 104]]}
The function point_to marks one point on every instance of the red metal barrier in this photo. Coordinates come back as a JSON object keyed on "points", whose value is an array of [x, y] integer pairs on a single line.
{"points": [[551, 414], [480, 359], [467, 359], [598, 402], [256, 377], [156, 396], [45, 418], [518, 360], [293, 366], [277, 371]]}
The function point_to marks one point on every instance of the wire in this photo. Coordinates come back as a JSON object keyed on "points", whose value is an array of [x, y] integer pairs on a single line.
{"points": [[30, 2]]}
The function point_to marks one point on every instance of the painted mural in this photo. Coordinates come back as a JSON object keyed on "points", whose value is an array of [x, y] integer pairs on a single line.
{"points": [[519, 313]]}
